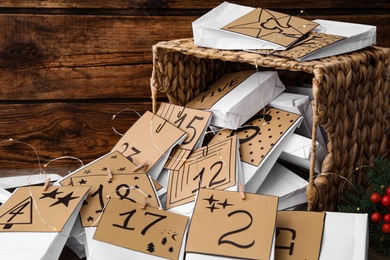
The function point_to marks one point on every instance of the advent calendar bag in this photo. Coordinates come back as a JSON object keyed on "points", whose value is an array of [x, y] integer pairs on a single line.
{"points": [[35, 223]]}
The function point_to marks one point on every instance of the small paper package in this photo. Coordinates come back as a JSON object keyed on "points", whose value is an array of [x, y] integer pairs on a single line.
{"points": [[297, 152], [232, 26], [262, 140], [35, 223], [288, 186], [237, 96], [128, 230], [345, 236], [226, 226]]}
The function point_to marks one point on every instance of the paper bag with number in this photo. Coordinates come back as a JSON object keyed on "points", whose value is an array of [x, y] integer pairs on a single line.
{"points": [[110, 176], [151, 139], [35, 223], [298, 235], [127, 231], [225, 226], [237, 27], [237, 96], [215, 166], [262, 140]]}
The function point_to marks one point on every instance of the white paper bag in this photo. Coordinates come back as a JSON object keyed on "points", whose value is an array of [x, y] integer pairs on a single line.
{"points": [[246, 99], [207, 30], [358, 36], [44, 240], [289, 187], [254, 176], [4, 195], [345, 236], [297, 152], [241, 95]]}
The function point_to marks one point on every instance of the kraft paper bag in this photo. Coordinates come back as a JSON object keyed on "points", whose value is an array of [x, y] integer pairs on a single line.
{"points": [[236, 97], [232, 26], [35, 223], [345, 236]]}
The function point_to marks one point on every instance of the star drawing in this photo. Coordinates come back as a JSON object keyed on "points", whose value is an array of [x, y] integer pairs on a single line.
{"points": [[52, 194], [212, 208], [211, 200], [225, 204], [82, 181], [64, 200]]}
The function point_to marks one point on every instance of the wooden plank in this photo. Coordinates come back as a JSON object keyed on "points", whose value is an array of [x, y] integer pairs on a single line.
{"points": [[89, 57], [193, 4], [79, 129]]}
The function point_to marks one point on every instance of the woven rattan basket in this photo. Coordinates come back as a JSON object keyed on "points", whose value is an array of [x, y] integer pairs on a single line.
{"points": [[351, 101]]}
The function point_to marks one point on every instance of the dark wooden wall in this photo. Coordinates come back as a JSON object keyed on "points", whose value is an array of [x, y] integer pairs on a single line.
{"points": [[67, 66]]}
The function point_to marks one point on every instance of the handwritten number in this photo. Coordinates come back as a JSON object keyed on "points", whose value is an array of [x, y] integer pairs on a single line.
{"points": [[127, 192], [159, 218], [180, 121], [135, 150], [127, 219], [212, 181], [256, 130], [101, 201], [223, 240], [131, 213]]}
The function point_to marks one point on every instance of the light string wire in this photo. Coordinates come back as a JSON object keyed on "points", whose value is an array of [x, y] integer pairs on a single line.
{"points": [[119, 112]]}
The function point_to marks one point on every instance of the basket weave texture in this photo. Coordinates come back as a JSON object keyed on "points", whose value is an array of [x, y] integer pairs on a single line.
{"points": [[351, 102]]}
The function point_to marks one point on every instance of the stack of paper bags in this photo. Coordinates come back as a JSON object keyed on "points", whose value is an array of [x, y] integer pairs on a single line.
{"points": [[237, 27]]}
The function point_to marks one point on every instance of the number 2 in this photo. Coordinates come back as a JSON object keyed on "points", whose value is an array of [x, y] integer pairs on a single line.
{"points": [[223, 240]]}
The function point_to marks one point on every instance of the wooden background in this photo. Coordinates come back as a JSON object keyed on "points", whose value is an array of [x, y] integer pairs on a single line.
{"points": [[67, 66]]}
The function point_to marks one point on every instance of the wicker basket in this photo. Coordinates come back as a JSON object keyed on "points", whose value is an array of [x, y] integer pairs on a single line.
{"points": [[351, 101]]}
